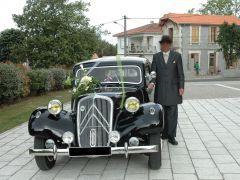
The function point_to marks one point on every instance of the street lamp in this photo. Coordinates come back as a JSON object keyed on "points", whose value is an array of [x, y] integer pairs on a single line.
{"points": [[115, 22]]}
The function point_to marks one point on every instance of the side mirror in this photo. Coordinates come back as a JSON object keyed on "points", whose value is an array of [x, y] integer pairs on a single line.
{"points": [[153, 74]]}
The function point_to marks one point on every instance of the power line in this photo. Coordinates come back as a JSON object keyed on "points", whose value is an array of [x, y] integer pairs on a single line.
{"points": [[159, 18], [143, 18], [102, 24]]}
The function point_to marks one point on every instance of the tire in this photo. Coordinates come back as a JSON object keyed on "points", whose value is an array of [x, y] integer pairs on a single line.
{"points": [[43, 162], [155, 159]]}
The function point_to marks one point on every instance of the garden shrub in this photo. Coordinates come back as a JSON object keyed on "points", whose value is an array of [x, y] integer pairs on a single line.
{"points": [[59, 77], [25, 91], [41, 80], [10, 82]]}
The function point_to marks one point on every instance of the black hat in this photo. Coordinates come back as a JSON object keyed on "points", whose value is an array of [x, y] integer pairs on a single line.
{"points": [[166, 39]]}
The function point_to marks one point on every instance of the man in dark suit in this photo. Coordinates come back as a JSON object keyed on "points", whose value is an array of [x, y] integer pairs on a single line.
{"points": [[169, 86]]}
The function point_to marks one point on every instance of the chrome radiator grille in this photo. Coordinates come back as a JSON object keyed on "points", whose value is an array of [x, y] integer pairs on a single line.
{"points": [[94, 121]]}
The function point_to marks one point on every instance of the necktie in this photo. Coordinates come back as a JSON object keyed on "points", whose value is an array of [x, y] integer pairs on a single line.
{"points": [[165, 55]]}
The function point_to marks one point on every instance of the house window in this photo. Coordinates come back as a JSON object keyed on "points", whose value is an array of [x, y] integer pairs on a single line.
{"points": [[195, 34], [213, 34]]}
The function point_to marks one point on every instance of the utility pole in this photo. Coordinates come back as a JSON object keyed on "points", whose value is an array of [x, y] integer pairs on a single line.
{"points": [[125, 35]]}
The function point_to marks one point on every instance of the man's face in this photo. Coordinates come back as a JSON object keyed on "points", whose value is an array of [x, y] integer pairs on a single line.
{"points": [[165, 47]]}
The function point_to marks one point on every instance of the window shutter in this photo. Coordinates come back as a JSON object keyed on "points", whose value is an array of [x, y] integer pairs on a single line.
{"points": [[195, 34]]}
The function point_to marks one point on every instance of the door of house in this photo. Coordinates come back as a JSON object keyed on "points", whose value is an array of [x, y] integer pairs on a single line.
{"points": [[193, 58], [212, 63]]}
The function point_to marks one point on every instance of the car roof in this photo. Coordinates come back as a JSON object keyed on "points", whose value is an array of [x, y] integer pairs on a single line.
{"points": [[113, 59]]}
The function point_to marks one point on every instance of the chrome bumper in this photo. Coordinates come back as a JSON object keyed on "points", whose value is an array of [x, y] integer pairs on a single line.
{"points": [[114, 150]]}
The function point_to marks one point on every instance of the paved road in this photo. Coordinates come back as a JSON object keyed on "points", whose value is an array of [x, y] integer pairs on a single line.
{"points": [[208, 135], [212, 89]]}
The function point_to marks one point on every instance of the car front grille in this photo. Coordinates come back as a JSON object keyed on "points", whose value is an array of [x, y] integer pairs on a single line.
{"points": [[94, 121]]}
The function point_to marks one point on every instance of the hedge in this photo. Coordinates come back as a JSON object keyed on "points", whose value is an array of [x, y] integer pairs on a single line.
{"points": [[25, 91], [41, 80], [59, 77], [10, 82], [18, 81]]}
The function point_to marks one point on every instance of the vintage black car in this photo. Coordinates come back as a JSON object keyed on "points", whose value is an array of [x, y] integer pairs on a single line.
{"points": [[118, 118]]}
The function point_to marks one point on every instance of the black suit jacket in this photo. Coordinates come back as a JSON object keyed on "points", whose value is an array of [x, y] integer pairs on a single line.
{"points": [[169, 78]]}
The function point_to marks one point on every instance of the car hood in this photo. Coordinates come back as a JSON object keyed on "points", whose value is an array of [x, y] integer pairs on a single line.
{"points": [[119, 96]]}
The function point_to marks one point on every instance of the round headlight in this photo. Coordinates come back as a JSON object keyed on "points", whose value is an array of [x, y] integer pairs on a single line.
{"points": [[114, 137], [55, 107], [132, 104], [68, 137]]}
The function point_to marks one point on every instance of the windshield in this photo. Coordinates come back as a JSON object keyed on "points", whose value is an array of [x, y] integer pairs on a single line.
{"points": [[112, 74]]}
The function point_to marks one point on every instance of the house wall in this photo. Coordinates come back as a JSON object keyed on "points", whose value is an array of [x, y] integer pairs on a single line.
{"points": [[182, 43], [204, 47], [120, 45], [156, 40], [176, 33]]}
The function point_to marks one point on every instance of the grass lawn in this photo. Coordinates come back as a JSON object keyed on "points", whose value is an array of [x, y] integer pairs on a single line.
{"points": [[15, 114]]}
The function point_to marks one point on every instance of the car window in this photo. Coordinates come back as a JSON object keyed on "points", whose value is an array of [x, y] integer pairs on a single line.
{"points": [[113, 74]]}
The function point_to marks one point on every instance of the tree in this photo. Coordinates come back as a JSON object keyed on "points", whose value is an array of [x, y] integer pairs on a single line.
{"points": [[191, 11], [237, 42], [57, 32], [229, 40], [236, 7], [106, 49], [221, 7], [10, 40]]}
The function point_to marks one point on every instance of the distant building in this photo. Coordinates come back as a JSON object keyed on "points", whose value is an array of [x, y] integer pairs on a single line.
{"points": [[195, 36], [141, 41]]}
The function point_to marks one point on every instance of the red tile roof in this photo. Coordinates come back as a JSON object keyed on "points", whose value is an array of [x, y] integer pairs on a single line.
{"points": [[199, 19], [149, 28]]}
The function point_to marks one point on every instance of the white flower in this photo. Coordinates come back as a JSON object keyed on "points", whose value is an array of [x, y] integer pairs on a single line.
{"points": [[86, 88], [74, 90], [86, 80]]}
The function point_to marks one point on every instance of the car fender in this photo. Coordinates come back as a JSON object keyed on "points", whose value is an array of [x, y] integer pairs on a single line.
{"points": [[45, 125], [144, 121]]}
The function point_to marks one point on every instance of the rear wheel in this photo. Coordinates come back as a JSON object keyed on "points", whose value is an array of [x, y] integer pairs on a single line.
{"points": [[155, 159], [43, 162]]}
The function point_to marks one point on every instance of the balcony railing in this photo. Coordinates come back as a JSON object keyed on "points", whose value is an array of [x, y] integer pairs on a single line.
{"points": [[142, 49]]}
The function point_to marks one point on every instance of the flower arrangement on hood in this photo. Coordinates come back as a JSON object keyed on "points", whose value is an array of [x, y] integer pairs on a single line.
{"points": [[87, 84]]}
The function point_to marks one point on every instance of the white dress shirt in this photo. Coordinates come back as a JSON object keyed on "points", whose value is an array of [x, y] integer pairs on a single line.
{"points": [[166, 56]]}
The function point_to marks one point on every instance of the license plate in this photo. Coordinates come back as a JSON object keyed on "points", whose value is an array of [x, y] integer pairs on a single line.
{"points": [[93, 151]]}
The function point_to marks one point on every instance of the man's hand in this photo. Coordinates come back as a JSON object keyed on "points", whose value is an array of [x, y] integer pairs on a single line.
{"points": [[181, 91], [151, 86]]}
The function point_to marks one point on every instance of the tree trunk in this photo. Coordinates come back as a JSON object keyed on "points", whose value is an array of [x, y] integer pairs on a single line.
{"points": [[227, 60]]}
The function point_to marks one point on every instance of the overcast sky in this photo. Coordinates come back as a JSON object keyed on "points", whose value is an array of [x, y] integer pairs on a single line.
{"points": [[103, 11]]}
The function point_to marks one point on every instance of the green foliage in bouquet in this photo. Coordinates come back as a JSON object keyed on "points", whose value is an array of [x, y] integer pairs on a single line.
{"points": [[87, 84], [68, 82]]}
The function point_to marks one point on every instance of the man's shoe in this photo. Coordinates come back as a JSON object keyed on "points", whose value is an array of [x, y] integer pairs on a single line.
{"points": [[173, 141]]}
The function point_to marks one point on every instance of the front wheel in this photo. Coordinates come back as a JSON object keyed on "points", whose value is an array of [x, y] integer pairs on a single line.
{"points": [[155, 159], [43, 162]]}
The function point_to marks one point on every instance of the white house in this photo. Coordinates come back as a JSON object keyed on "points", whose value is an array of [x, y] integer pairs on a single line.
{"points": [[141, 41]]}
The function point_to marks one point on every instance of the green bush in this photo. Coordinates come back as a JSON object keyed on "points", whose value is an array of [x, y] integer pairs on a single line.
{"points": [[10, 82], [59, 77], [41, 80], [25, 91]]}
